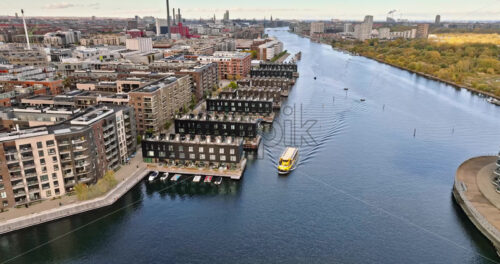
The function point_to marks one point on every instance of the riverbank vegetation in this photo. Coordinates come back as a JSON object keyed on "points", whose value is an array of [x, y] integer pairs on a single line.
{"points": [[474, 65], [87, 192]]}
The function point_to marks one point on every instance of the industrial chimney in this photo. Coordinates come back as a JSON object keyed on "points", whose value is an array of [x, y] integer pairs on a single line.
{"points": [[179, 19], [173, 16], [168, 21], [26, 31]]}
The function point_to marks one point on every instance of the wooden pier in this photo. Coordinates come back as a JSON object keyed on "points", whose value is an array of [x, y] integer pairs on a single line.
{"points": [[235, 174]]}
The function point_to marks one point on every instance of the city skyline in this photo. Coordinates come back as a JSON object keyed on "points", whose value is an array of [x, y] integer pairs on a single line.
{"points": [[259, 9]]}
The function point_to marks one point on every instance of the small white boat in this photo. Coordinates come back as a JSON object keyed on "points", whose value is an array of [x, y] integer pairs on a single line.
{"points": [[176, 177], [153, 176], [362, 99], [218, 181], [164, 177], [208, 179], [197, 178], [494, 101]]}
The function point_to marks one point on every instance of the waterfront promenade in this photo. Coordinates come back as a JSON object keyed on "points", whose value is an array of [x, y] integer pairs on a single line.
{"points": [[476, 195], [18, 218]]}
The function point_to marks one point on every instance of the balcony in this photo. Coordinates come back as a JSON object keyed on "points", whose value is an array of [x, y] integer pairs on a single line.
{"points": [[14, 168], [497, 171], [79, 157], [64, 143], [68, 175], [29, 166], [81, 165], [19, 194], [12, 161], [10, 151], [33, 183], [30, 175], [25, 149], [78, 141], [111, 125], [70, 183], [24, 158], [85, 179], [83, 172], [18, 186]]}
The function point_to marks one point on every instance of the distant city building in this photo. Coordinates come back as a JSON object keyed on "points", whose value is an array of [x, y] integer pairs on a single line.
{"points": [[62, 38], [204, 78], [384, 33], [132, 24], [19, 55], [363, 30], [269, 49], [140, 44], [231, 65], [422, 31], [317, 27], [99, 40], [226, 16], [348, 28], [407, 34], [438, 20]]}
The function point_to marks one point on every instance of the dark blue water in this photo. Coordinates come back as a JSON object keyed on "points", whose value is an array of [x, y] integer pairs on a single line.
{"points": [[366, 189]]}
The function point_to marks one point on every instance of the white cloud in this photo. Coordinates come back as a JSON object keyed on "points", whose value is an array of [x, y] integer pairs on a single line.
{"points": [[62, 5]]}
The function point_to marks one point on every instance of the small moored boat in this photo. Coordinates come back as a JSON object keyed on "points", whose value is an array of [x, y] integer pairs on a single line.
{"points": [[152, 177], [218, 181], [208, 179], [345, 89], [164, 177], [493, 101], [197, 178], [175, 177]]}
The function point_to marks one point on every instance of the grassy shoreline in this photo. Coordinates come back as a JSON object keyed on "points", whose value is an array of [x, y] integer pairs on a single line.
{"points": [[420, 73]]}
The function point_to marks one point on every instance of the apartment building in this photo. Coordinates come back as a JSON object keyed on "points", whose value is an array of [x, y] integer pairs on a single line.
{"points": [[281, 73], [19, 55], [111, 40], [217, 125], [195, 148], [158, 102], [48, 161], [231, 65], [204, 78], [269, 49], [239, 104]]}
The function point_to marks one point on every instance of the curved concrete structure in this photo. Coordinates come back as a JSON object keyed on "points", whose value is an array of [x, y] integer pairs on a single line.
{"points": [[476, 195]]}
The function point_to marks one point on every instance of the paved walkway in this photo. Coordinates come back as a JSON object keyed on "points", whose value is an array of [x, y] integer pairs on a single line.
{"points": [[477, 195], [121, 175]]}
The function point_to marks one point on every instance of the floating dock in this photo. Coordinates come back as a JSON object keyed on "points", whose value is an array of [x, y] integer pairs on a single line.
{"points": [[235, 174]]}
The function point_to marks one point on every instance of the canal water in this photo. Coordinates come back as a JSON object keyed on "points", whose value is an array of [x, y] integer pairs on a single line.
{"points": [[373, 185]]}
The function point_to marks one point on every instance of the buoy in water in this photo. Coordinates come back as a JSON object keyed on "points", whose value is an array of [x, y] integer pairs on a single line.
{"points": [[314, 77], [345, 89], [362, 99]]}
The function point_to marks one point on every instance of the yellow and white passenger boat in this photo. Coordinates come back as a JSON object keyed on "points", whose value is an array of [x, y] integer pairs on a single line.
{"points": [[288, 160]]}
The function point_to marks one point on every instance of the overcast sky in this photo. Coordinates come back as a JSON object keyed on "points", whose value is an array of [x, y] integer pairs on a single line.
{"points": [[285, 9]]}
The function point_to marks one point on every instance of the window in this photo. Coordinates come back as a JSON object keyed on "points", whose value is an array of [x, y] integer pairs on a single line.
{"points": [[42, 161], [52, 151], [200, 149], [211, 150], [221, 151], [192, 156], [48, 193], [44, 169], [40, 153], [39, 145], [190, 149], [54, 176], [56, 184], [54, 159], [212, 157], [56, 167], [170, 148], [182, 155], [151, 153], [162, 154], [223, 157], [181, 148], [3, 194], [233, 158], [202, 156], [231, 151], [50, 143]]}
